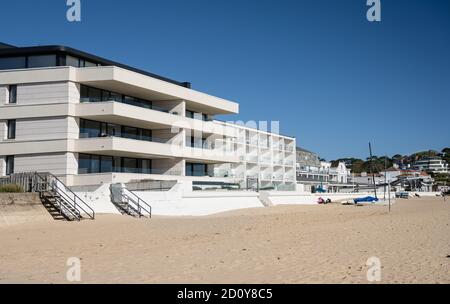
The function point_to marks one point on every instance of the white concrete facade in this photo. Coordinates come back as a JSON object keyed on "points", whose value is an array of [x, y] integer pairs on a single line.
{"points": [[50, 110]]}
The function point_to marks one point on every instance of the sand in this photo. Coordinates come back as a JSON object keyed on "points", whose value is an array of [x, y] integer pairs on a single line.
{"points": [[288, 244]]}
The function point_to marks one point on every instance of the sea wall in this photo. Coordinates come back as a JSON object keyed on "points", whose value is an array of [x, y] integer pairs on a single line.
{"points": [[19, 199], [199, 203]]}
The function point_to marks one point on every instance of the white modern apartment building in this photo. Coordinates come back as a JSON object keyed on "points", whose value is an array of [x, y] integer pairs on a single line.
{"points": [[434, 165], [89, 121]]}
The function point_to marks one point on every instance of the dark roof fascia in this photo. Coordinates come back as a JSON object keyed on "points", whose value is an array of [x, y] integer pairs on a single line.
{"points": [[59, 49], [6, 46]]}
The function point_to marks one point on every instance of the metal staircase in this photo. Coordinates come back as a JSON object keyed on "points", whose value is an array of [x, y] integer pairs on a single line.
{"points": [[61, 202], [129, 203]]}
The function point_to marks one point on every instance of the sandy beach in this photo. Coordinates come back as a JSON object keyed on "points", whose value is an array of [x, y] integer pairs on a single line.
{"points": [[288, 244]]}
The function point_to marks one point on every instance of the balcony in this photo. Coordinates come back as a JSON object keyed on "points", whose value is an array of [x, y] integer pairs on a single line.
{"points": [[125, 114], [116, 146]]}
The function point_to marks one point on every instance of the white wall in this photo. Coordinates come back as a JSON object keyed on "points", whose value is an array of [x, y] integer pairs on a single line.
{"points": [[2, 165], [54, 163], [47, 128], [199, 204], [4, 95], [99, 200], [74, 92], [47, 93], [3, 129]]}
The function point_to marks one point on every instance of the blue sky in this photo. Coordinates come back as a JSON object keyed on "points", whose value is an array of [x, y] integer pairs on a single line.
{"points": [[334, 80]]}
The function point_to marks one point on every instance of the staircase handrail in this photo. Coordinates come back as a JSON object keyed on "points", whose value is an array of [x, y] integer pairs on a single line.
{"points": [[76, 201], [141, 204]]}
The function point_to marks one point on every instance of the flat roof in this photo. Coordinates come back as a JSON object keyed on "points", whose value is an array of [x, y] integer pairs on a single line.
{"points": [[7, 50]]}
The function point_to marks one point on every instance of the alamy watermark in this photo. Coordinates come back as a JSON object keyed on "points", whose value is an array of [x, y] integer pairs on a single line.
{"points": [[374, 12], [374, 271], [74, 11], [73, 273]]}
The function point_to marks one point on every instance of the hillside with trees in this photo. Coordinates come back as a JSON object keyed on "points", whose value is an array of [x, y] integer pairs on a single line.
{"points": [[379, 163]]}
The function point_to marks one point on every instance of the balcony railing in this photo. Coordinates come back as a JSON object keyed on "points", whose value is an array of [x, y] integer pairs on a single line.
{"points": [[146, 139], [128, 102], [135, 171], [227, 174]]}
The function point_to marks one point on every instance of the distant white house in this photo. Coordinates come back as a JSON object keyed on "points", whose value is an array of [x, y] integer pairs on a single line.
{"points": [[340, 174]]}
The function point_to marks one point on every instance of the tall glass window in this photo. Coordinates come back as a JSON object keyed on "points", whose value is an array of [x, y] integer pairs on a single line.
{"points": [[84, 164], [9, 165], [130, 132], [114, 130], [12, 94], [129, 165], [90, 129], [106, 164], [11, 129], [95, 164], [146, 166]]}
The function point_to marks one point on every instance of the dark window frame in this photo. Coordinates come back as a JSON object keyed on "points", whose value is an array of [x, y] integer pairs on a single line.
{"points": [[12, 89], [11, 128], [9, 164]]}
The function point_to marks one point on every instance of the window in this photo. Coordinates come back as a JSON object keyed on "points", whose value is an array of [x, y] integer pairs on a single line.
{"points": [[88, 164], [88, 64], [89, 94], [195, 142], [89, 129], [129, 165], [130, 132], [146, 135], [114, 130], [194, 115], [84, 164], [72, 61], [9, 165], [12, 94], [13, 63], [41, 61], [196, 169], [146, 166], [106, 164], [93, 129], [11, 129], [189, 114]]}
